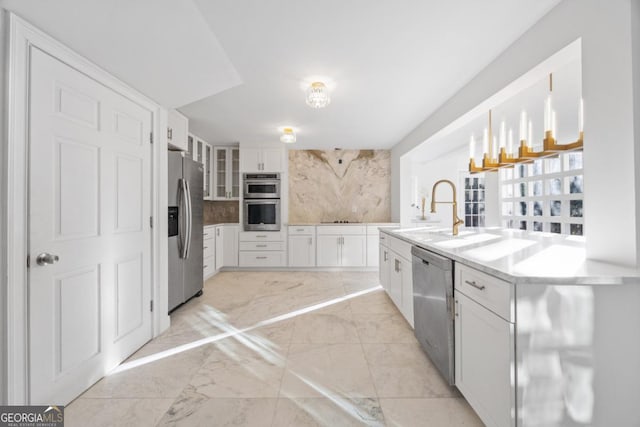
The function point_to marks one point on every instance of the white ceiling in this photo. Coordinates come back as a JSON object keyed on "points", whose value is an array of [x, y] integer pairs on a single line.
{"points": [[393, 63], [237, 67], [163, 48]]}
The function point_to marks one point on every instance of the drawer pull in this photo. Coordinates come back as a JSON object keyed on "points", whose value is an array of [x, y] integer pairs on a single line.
{"points": [[261, 236], [261, 257], [206, 247], [299, 229], [475, 285], [205, 267], [261, 246]]}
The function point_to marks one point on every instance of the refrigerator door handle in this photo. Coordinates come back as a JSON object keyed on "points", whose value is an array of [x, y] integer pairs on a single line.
{"points": [[182, 232], [187, 247]]}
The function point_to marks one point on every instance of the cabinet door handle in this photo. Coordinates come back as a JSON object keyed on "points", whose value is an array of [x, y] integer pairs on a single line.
{"points": [[386, 256], [310, 241], [206, 247], [169, 134], [474, 284], [456, 309], [397, 265]]}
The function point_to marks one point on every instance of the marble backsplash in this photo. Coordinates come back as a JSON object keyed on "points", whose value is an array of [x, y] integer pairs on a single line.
{"points": [[351, 185], [221, 212]]}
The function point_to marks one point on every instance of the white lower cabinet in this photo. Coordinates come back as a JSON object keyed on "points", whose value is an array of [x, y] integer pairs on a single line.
{"points": [[485, 347], [219, 246], [396, 274], [230, 246], [342, 246], [384, 266], [302, 246], [262, 249], [208, 252]]}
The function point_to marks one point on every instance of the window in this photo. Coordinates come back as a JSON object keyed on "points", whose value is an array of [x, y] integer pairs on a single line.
{"points": [[474, 201], [545, 195]]}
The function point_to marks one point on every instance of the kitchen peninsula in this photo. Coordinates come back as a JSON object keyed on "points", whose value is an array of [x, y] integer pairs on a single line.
{"points": [[540, 331]]}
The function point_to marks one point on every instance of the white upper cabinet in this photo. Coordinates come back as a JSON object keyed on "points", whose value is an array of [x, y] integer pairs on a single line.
{"points": [[226, 173], [177, 130], [261, 159], [201, 151]]}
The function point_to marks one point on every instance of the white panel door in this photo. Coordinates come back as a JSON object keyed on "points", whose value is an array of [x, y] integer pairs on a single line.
{"points": [[230, 243], [395, 279], [328, 251], [354, 251], [250, 160], [406, 271], [89, 205], [373, 241], [302, 251], [272, 160], [484, 361], [219, 247]]}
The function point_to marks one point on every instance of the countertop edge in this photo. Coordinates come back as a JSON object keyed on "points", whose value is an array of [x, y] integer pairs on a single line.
{"points": [[522, 280]]}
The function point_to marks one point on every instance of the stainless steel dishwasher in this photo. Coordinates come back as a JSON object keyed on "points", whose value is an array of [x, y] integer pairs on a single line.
{"points": [[433, 308]]}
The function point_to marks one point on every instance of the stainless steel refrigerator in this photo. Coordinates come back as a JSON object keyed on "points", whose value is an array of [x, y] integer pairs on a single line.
{"points": [[185, 228]]}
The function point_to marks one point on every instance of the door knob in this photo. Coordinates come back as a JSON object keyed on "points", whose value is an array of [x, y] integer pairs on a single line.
{"points": [[47, 259]]}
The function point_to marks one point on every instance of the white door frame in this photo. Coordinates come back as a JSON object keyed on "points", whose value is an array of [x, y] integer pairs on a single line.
{"points": [[22, 37]]}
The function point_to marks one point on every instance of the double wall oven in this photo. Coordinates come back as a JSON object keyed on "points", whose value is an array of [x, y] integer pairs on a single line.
{"points": [[261, 201]]}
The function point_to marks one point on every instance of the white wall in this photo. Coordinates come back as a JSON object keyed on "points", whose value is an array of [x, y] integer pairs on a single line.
{"points": [[3, 207], [635, 40], [452, 166], [608, 91]]}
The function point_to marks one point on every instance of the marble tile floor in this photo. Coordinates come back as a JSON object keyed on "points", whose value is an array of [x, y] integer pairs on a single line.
{"points": [[278, 349]]}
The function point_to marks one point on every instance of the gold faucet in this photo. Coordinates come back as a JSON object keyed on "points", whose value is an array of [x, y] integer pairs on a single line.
{"points": [[456, 221]]}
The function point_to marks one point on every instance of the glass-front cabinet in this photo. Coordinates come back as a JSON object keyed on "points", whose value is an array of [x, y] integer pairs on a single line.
{"points": [[226, 173], [202, 152]]}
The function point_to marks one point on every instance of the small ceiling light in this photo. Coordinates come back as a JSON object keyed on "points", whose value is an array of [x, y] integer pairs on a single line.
{"points": [[318, 95], [288, 137]]}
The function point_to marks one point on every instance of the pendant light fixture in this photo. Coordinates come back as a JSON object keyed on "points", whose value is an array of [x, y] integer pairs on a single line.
{"points": [[318, 95]]}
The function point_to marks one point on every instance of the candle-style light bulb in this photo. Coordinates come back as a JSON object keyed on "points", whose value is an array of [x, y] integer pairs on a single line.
{"points": [[523, 125], [494, 150], [485, 142], [548, 107], [554, 123], [472, 147], [530, 134], [510, 142], [581, 116], [503, 134]]}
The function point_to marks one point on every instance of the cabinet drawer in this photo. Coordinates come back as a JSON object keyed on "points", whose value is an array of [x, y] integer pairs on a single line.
{"points": [[262, 259], [208, 248], [261, 236], [400, 246], [342, 230], [262, 246], [208, 266], [490, 292], [301, 229], [209, 233]]}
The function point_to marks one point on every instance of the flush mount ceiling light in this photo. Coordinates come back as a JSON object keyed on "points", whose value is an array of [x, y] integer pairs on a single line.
{"points": [[288, 136], [318, 95]]}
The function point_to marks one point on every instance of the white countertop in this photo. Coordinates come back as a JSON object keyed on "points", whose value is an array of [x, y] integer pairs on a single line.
{"points": [[519, 256], [220, 223], [381, 224]]}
